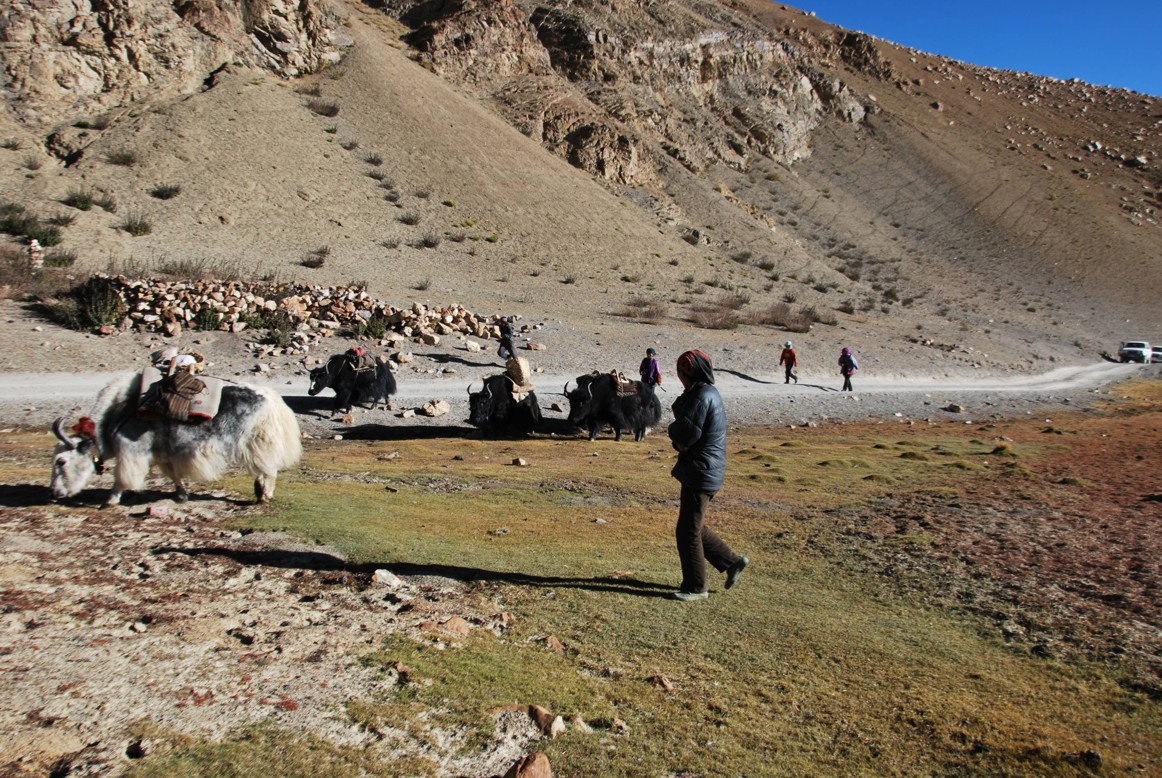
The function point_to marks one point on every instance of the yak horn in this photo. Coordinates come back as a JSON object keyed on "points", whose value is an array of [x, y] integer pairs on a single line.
{"points": [[566, 388], [58, 427]]}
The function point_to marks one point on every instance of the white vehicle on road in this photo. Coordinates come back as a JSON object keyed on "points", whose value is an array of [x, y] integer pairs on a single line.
{"points": [[1134, 351]]}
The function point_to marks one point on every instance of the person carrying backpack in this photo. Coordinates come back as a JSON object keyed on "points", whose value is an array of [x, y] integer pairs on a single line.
{"points": [[789, 362], [847, 366]]}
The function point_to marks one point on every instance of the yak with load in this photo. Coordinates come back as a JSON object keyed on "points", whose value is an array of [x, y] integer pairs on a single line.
{"points": [[602, 399], [356, 377]]}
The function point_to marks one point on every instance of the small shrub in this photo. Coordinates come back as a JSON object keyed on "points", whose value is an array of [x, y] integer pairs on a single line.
{"points": [[687, 279], [892, 295], [847, 306], [106, 203], [60, 258], [714, 318], [423, 194], [61, 220], [279, 327], [80, 199], [430, 240], [136, 225], [821, 288], [790, 297], [629, 279], [316, 258], [328, 108], [12, 144], [374, 328], [207, 319], [569, 280], [373, 159], [733, 301], [32, 162], [166, 191], [92, 304], [122, 158], [423, 286], [449, 203], [377, 175], [492, 238], [393, 197], [310, 90], [742, 257], [674, 262], [458, 236], [349, 145], [410, 219], [766, 265], [389, 243]]}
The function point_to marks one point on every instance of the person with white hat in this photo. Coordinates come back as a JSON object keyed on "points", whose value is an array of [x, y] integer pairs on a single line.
{"points": [[789, 362]]}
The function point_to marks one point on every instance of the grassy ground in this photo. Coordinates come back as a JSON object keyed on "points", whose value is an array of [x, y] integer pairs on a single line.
{"points": [[813, 665]]}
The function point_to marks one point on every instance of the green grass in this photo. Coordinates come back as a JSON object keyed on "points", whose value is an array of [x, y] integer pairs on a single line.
{"points": [[811, 666]]}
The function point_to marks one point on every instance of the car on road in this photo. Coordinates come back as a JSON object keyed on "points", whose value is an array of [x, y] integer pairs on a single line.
{"points": [[1135, 351]]}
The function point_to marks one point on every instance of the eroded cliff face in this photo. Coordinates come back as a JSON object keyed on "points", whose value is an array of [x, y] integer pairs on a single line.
{"points": [[616, 86], [65, 58]]}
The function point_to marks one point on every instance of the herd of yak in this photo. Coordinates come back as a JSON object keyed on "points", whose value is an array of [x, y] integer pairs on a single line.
{"points": [[255, 429]]}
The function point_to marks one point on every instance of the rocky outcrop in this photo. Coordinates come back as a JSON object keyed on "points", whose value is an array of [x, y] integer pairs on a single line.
{"points": [[65, 60], [616, 87]]}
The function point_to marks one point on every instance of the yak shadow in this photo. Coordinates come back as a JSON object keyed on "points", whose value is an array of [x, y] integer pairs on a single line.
{"points": [[406, 432], [25, 495], [322, 561], [319, 406]]}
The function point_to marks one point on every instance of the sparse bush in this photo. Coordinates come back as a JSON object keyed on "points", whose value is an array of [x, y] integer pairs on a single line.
{"points": [[12, 144], [733, 301], [373, 158], [122, 158], [207, 319], [423, 194], [316, 258], [349, 145], [328, 108], [891, 295], [32, 162], [81, 199], [423, 286], [687, 279], [106, 203], [430, 240], [766, 265], [458, 236], [822, 317], [373, 328], [102, 122], [674, 262], [166, 191], [449, 203], [389, 243], [377, 175], [742, 257], [643, 310], [92, 304], [61, 220], [821, 288], [629, 279], [309, 90], [847, 306], [410, 219], [331, 130], [790, 297], [492, 238], [60, 258], [279, 327], [714, 318], [393, 197], [569, 280], [136, 225]]}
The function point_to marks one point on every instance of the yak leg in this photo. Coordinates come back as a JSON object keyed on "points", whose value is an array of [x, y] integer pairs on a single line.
{"points": [[616, 432], [264, 487], [181, 492], [593, 425]]}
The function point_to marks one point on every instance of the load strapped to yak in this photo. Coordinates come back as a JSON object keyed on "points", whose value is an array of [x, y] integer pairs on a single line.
{"points": [[170, 390], [518, 373], [360, 359]]}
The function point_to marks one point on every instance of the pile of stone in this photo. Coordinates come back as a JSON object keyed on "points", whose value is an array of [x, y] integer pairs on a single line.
{"points": [[232, 306]]}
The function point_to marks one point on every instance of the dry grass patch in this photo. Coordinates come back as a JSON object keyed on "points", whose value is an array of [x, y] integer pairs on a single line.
{"points": [[641, 309]]}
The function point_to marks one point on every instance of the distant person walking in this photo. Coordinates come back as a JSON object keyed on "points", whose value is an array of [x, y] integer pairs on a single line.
{"points": [[650, 372], [698, 434], [789, 362], [507, 349], [847, 366]]}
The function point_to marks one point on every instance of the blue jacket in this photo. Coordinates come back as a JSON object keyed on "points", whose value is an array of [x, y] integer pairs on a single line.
{"points": [[700, 429]]}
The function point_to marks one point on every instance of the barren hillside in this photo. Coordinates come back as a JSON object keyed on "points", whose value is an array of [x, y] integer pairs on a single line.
{"points": [[572, 161]]}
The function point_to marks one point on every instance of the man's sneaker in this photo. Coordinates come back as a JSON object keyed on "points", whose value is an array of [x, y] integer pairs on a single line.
{"points": [[734, 571], [690, 596]]}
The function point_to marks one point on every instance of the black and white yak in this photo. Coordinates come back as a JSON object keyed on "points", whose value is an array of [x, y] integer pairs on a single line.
{"points": [[494, 409], [253, 429], [371, 385], [596, 402]]}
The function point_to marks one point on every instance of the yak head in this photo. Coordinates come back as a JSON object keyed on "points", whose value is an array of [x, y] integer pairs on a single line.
{"points": [[581, 398], [480, 406], [320, 379], [74, 461]]}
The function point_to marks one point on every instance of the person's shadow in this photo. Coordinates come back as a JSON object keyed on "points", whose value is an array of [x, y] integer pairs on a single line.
{"points": [[325, 562]]}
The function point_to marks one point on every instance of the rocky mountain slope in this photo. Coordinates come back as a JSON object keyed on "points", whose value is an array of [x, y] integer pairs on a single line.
{"points": [[705, 162]]}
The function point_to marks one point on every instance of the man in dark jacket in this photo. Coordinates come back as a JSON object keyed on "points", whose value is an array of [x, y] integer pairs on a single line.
{"points": [[699, 436]]}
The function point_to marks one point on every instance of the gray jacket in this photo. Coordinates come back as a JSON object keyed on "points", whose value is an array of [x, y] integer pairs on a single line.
{"points": [[700, 429]]}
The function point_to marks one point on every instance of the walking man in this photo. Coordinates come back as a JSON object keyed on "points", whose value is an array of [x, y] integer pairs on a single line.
{"points": [[847, 366], [789, 362], [699, 436]]}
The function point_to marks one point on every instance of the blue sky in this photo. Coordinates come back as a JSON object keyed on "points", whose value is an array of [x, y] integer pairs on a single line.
{"points": [[1105, 43]]}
